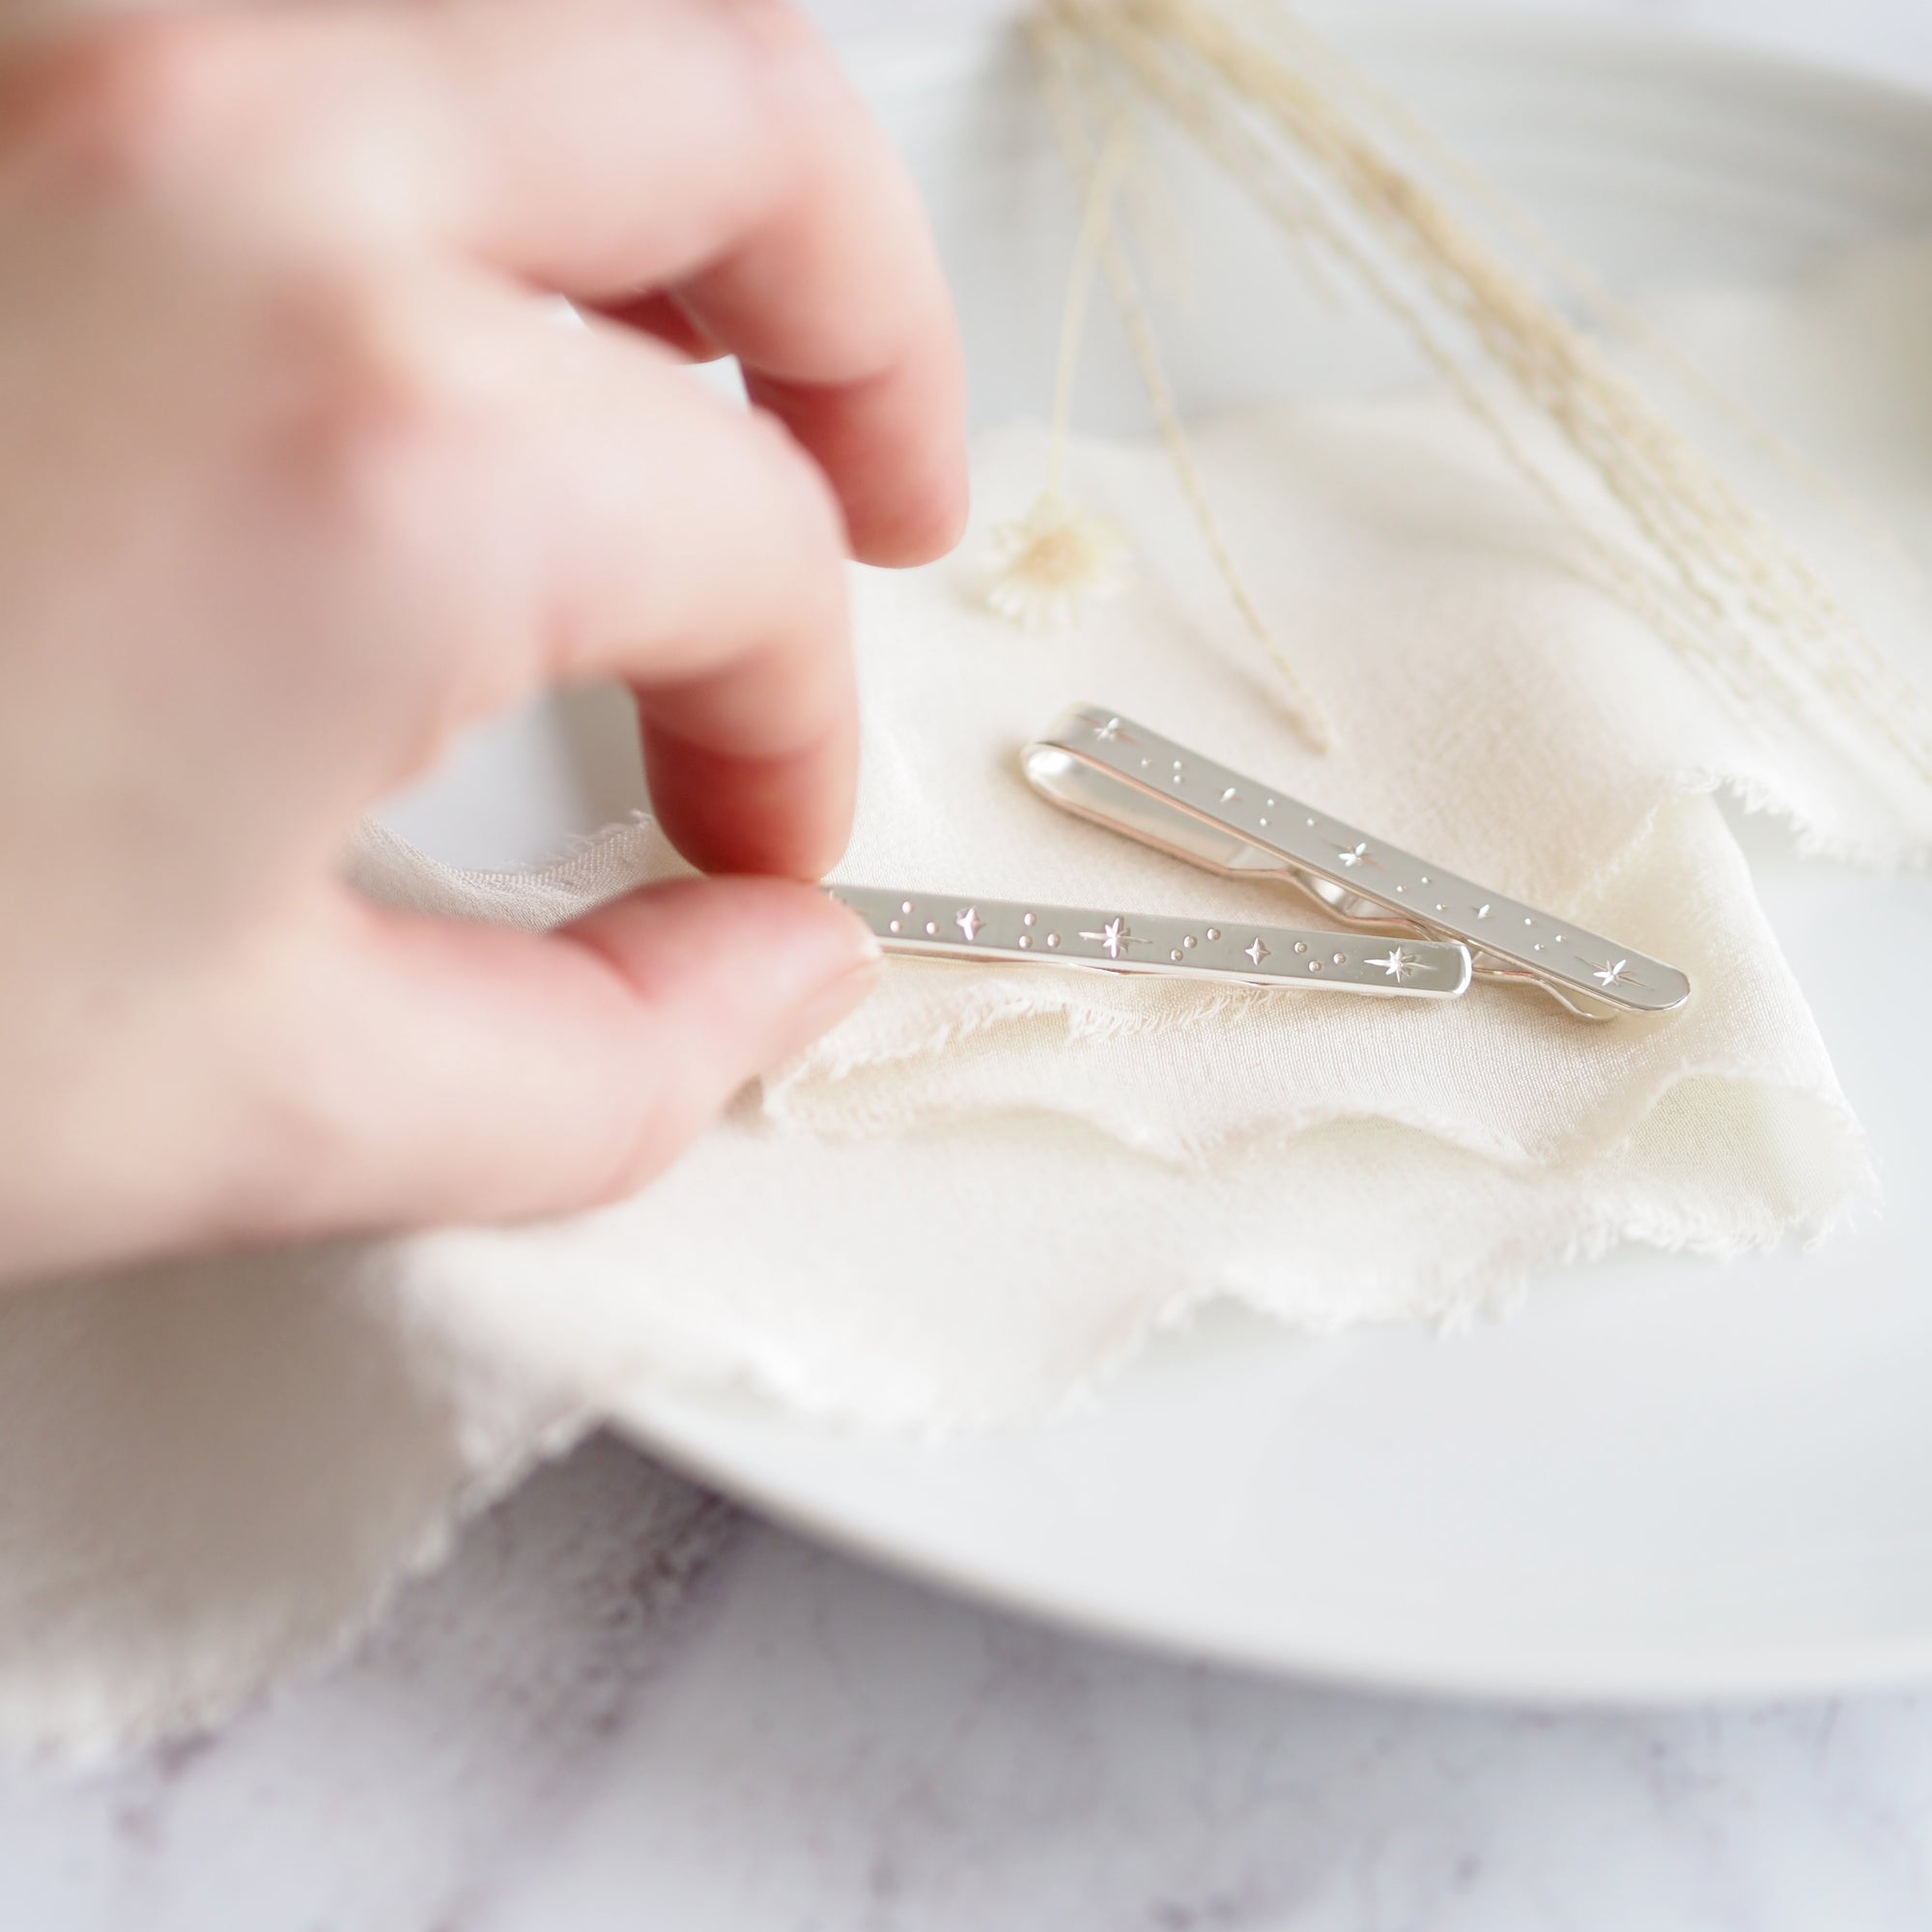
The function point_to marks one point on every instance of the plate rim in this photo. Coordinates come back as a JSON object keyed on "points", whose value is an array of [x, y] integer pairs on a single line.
{"points": [[1620, 1682]]}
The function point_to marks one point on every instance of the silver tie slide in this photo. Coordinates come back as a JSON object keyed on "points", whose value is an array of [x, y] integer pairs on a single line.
{"points": [[1413, 928], [1027, 932]]}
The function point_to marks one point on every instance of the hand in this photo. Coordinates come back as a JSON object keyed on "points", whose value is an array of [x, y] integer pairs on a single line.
{"points": [[298, 478]]}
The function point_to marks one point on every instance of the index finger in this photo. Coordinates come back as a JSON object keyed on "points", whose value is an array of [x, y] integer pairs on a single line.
{"points": [[714, 147]]}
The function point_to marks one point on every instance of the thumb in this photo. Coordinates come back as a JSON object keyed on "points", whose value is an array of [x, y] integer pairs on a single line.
{"points": [[465, 1072]]}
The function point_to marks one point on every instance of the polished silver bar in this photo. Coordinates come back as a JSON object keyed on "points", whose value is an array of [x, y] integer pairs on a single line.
{"points": [[1032, 932], [1131, 778]]}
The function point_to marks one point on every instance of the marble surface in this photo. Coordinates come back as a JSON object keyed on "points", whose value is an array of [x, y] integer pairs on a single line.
{"points": [[626, 1704]]}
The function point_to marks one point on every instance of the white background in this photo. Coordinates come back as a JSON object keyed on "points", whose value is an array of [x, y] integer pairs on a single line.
{"points": [[627, 1705], [1887, 37]]}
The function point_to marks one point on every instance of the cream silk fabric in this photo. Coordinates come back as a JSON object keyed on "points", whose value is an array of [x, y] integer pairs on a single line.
{"points": [[989, 1185]]}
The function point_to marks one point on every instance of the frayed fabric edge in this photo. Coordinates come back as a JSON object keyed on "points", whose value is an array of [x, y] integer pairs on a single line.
{"points": [[1485, 1289], [1457, 1307], [1197, 1152], [74, 1751]]}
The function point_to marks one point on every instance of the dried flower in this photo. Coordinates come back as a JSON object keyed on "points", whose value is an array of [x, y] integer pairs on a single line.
{"points": [[1337, 167], [1048, 563]]}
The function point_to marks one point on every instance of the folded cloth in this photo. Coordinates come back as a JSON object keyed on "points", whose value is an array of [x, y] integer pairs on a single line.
{"points": [[1076, 1159], [990, 1185]]}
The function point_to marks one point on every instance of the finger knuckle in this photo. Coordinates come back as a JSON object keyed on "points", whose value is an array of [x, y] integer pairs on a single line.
{"points": [[783, 54], [377, 423], [801, 101], [392, 445], [132, 104]]}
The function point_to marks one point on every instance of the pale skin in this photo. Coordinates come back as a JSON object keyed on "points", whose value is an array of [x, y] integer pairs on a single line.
{"points": [[299, 478]]}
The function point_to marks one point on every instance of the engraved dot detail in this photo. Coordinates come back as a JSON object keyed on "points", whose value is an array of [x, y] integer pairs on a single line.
{"points": [[1026, 941], [1053, 939], [906, 905], [1340, 958], [1026, 918], [1300, 946], [1188, 941], [892, 925], [1315, 965], [1213, 933], [1175, 955], [1260, 821], [932, 926]]}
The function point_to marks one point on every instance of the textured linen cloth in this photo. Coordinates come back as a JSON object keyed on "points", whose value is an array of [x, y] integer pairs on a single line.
{"points": [[990, 1185], [991, 1182]]}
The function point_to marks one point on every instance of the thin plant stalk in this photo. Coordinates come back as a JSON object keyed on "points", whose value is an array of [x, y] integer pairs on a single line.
{"points": [[1100, 237]]}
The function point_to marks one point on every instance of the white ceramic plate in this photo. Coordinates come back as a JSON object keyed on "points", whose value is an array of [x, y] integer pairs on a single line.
{"points": [[1665, 1479]]}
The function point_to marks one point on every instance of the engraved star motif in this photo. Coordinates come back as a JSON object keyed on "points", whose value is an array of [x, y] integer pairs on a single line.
{"points": [[1481, 911], [1228, 796], [1356, 855], [1256, 952], [1108, 732], [1397, 963], [1607, 976], [1117, 935], [969, 923]]}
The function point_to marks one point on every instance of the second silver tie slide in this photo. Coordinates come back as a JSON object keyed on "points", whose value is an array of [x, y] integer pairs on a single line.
{"points": [[1130, 779]]}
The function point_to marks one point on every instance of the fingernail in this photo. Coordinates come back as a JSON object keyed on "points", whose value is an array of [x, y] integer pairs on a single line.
{"points": [[871, 951], [830, 1005]]}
